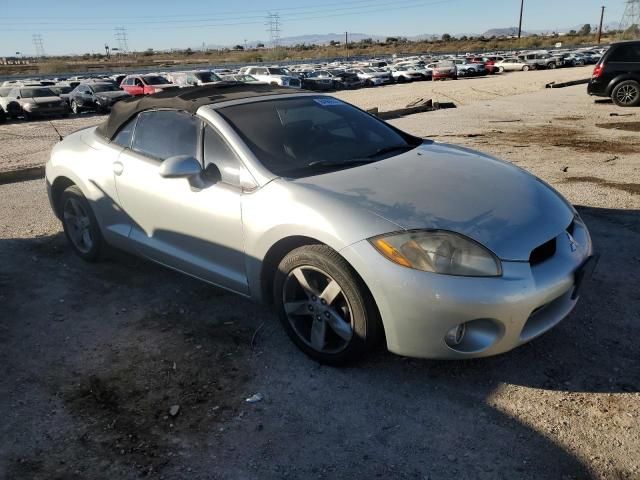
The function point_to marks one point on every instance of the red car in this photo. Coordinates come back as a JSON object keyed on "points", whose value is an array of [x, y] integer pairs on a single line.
{"points": [[145, 84], [489, 63]]}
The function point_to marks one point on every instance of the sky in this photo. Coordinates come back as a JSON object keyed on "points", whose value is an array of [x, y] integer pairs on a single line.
{"points": [[85, 26]]}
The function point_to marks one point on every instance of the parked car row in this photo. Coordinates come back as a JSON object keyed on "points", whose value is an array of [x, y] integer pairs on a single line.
{"points": [[61, 96]]}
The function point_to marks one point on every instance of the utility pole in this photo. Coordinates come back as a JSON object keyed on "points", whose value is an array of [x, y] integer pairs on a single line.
{"points": [[346, 44], [121, 38], [600, 27], [520, 24], [38, 43]]}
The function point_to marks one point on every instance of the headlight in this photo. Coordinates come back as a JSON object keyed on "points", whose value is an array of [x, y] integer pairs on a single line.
{"points": [[438, 251]]}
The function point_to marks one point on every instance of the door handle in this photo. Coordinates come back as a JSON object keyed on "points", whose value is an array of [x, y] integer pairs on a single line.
{"points": [[118, 168]]}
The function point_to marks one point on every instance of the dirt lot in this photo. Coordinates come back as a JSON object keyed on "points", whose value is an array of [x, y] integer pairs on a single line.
{"points": [[94, 356]]}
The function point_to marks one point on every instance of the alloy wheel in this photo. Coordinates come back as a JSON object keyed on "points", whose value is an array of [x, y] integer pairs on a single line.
{"points": [[74, 107], [317, 309], [78, 225], [627, 94]]}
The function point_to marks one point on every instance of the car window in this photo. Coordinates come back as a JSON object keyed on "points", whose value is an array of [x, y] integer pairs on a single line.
{"points": [[298, 137], [625, 53], [124, 135], [218, 152], [166, 133]]}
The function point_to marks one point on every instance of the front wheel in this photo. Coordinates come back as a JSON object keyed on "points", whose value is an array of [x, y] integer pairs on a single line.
{"points": [[74, 107], [525, 68], [80, 225], [500, 69], [551, 66], [626, 94], [324, 306]]}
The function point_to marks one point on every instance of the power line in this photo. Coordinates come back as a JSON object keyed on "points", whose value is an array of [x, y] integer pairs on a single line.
{"points": [[121, 38], [205, 14], [296, 16], [38, 43]]}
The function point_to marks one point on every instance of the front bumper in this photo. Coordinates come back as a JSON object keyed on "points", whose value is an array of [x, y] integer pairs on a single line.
{"points": [[502, 313]]}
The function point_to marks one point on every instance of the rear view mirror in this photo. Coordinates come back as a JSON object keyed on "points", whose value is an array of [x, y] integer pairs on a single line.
{"points": [[180, 166]]}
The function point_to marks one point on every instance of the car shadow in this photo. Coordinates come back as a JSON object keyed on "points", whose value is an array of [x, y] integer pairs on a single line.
{"points": [[387, 415]]}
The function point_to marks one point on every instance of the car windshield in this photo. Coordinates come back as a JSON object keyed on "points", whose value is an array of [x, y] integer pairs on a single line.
{"points": [[61, 90], [36, 92], [278, 71], [207, 77], [104, 87], [155, 80], [299, 137]]}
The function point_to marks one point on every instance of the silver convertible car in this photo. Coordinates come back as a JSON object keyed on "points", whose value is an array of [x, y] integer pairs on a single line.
{"points": [[352, 229]]}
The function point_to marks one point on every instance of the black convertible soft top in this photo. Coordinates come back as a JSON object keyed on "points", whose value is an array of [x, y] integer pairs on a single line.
{"points": [[188, 99]]}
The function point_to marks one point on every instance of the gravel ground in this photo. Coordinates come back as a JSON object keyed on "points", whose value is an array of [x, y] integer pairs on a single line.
{"points": [[94, 356]]}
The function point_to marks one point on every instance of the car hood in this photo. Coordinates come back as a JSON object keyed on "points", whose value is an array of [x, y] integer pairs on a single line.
{"points": [[438, 186], [113, 95]]}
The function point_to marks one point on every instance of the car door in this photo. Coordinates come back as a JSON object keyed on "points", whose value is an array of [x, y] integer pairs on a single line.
{"points": [[197, 230]]}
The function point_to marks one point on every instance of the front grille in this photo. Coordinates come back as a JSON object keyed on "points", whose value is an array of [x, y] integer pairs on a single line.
{"points": [[543, 252]]}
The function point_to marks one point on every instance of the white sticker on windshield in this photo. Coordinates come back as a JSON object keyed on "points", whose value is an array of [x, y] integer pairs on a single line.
{"points": [[328, 101]]}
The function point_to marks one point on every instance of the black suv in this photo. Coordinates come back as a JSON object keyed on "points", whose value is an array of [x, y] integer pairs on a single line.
{"points": [[617, 75]]}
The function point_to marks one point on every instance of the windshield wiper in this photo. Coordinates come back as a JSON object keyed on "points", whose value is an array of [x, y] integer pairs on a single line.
{"points": [[390, 149]]}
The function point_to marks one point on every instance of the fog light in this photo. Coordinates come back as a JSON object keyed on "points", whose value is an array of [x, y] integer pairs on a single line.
{"points": [[455, 336]]}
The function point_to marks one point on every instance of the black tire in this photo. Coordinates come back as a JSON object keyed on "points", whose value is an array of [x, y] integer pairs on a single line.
{"points": [[500, 69], [525, 68], [401, 79], [551, 66], [626, 94], [364, 319], [74, 107], [93, 253]]}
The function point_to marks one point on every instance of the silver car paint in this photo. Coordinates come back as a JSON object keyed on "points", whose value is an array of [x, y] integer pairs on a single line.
{"points": [[222, 234]]}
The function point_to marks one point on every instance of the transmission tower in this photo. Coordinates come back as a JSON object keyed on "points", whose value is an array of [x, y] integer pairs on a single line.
{"points": [[38, 42], [121, 38], [630, 23], [273, 29]]}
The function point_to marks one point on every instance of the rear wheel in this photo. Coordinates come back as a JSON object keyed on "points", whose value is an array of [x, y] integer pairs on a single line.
{"points": [[501, 69], [551, 66], [74, 107], [626, 94], [323, 305], [525, 68], [80, 225]]}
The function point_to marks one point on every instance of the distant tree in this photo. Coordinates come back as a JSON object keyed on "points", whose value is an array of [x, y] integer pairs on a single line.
{"points": [[391, 40], [446, 37], [464, 38], [585, 30], [148, 52], [260, 45], [573, 33], [188, 51], [367, 41], [333, 43], [238, 47]]}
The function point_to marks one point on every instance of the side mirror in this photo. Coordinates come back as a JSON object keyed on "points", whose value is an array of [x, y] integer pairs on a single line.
{"points": [[180, 166]]}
